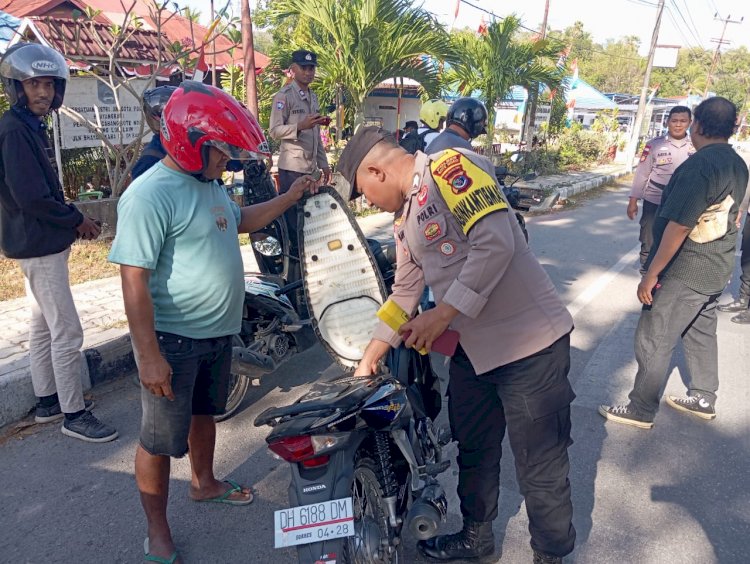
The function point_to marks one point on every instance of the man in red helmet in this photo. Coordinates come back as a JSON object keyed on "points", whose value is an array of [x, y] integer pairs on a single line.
{"points": [[182, 279]]}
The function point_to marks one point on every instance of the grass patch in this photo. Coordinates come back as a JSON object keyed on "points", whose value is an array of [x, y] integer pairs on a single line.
{"points": [[88, 261]]}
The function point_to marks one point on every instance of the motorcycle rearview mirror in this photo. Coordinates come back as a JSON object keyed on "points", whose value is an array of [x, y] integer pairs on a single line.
{"points": [[529, 176], [268, 246]]}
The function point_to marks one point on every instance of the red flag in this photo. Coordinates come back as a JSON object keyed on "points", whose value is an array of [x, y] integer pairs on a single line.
{"points": [[201, 68], [482, 27]]}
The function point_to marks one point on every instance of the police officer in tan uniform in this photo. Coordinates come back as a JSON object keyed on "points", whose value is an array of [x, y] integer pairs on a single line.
{"points": [[660, 158], [454, 232], [296, 121]]}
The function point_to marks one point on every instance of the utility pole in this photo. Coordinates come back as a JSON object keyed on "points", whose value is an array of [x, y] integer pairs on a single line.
{"points": [[213, 48], [534, 90], [635, 134], [719, 42], [248, 52]]}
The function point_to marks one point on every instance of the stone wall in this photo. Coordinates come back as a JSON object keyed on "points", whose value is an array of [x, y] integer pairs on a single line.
{"points": [[103, 210]]}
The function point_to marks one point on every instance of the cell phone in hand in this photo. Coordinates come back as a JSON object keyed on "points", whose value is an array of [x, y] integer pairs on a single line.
{"points": [[325, 120], [316, 174]]}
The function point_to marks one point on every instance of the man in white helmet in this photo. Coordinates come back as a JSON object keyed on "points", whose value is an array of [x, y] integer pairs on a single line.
{"points": [[37, 228]]}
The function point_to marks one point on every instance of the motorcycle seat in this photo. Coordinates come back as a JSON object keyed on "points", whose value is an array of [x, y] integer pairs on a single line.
{"points": [[324, 397]]}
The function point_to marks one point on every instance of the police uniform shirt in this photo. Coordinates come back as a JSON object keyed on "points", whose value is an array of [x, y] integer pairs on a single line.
{"points": [[456, 234], [660, 158], [301, 150]]}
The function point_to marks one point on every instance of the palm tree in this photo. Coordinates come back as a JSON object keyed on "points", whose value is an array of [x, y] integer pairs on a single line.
{"points": [[493, 62], [193, 15], [361, 43]]}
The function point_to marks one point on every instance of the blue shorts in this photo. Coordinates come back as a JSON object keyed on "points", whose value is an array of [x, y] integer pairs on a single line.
{"points": [[200, 382]]}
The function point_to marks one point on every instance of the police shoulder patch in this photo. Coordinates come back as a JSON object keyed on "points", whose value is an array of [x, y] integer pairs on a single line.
{"points": [[470, 192]]}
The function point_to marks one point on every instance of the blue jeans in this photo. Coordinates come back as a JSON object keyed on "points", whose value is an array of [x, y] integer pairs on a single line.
{"points": [[677, 312], [200, 382]]}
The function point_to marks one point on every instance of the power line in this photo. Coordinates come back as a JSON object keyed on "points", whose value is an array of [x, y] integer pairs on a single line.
{"points": [[590, 49], [695, 27], [719, 42], [674, 8]]}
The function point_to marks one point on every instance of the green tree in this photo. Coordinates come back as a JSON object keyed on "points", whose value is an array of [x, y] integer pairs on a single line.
{"points": [[494, 62], [733, 78], [361, 43], [688, 77]]}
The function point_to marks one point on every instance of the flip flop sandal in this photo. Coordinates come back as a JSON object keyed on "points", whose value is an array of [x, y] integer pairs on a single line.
{"points": [[158, 559], [224, 498]]}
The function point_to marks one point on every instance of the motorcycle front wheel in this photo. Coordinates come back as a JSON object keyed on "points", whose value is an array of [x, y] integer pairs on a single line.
{"points": [[238, 385], [372, 541]]}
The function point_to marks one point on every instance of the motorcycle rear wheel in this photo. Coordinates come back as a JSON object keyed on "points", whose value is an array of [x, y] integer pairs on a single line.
{"points": [[368, 545], [238, 385]]}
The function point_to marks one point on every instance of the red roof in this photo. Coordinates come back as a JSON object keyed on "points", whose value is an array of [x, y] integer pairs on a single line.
{"points": [[61, 35], [177, 28], [23, 8]]}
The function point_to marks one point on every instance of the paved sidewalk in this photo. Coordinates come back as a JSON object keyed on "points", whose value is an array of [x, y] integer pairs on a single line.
{"points": [[563, 186], [107, 350]]}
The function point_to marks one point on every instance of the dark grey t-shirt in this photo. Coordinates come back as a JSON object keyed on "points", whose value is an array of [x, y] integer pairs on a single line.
{"points": [[706, 178], [447, 140]]}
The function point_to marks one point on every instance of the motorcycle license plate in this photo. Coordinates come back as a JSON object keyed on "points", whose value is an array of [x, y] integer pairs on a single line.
{"points": [[316, 522]]}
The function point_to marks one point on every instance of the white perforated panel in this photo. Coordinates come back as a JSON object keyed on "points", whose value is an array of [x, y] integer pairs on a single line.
{"points": [[341, 282]]}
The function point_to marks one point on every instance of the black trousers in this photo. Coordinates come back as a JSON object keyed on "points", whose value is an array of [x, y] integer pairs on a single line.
{"points": [[745, 261], [648, 215], [531, 397]]}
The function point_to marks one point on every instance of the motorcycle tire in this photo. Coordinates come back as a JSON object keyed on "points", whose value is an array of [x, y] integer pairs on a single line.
{"points": [[238, 385], [370, 519], [522, 224]]}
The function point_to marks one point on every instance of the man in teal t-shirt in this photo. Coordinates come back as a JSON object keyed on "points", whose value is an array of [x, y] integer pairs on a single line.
{"points": [[185, 232], [182, 280]]}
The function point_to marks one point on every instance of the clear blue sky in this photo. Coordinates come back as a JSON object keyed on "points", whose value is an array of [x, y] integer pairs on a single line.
{"points": [[688, 23]]}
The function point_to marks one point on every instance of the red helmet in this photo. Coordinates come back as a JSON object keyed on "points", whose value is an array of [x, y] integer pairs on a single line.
{"points": [[198, 116]]}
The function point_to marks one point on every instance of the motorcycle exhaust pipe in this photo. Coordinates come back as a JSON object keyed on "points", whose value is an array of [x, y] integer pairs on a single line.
{"points": [[427, 512]]}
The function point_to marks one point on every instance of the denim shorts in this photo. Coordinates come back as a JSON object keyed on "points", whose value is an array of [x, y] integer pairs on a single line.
{"points": [[200, 382]]}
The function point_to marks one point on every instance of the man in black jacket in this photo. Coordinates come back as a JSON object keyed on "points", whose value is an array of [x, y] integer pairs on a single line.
{"points": [[37, 228]]}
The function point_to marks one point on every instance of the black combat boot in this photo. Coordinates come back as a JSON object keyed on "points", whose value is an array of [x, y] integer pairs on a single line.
{"points": [[742, 318], [473, 541], [541, 558], [740, 304]]}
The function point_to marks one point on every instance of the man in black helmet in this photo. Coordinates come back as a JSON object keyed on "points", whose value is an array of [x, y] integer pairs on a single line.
{"points": [[37, 228], [466, 119], [154, 100]]}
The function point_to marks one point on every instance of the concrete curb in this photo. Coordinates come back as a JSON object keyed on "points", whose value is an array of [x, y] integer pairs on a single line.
{"points": [[106, 361], [565, 192]]}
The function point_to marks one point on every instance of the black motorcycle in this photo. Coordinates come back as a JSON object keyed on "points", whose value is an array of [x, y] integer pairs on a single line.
{"points": [[275, 319], [514, 196], [364, 452], [364, 456]]}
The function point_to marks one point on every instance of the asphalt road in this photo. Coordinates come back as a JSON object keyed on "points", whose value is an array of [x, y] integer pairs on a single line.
{"points": [[679, 493]]}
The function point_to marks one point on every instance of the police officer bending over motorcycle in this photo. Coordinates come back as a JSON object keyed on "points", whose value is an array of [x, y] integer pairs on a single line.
{"points": [[453, 232]]}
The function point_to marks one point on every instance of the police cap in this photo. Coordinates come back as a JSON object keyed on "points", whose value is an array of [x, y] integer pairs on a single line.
{"points": [[303, 57]]}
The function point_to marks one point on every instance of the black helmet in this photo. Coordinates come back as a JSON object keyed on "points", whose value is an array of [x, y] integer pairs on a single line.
{"points": [[469, 114], [154, 100], [32, 60]]}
